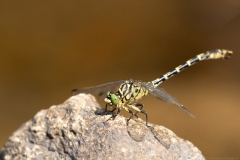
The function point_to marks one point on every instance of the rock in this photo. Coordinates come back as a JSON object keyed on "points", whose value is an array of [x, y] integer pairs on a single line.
{"points": [[80, 129]]}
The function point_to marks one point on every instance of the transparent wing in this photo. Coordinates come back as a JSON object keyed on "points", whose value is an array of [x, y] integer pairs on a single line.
{"points": [[164, 96], [100, 89]]}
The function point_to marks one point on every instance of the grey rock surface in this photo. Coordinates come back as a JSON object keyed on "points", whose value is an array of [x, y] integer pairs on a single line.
{"points": [[79, 129]]}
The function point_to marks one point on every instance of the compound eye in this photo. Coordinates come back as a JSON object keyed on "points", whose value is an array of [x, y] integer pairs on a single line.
{"points": [[108, 94], [114, 99]]}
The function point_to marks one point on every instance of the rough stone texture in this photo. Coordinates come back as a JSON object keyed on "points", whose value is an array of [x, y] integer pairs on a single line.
{"points": [[78, 129]]}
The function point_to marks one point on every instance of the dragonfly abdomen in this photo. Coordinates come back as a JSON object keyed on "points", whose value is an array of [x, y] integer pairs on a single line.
{"points": [[215, 54]]}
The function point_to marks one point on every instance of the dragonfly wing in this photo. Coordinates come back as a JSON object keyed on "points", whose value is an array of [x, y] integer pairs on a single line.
{"points": [[164, 96], [100, 89]]}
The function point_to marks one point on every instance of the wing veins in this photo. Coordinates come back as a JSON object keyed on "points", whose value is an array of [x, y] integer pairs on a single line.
{"points": [[100, 89], [164, 96]]}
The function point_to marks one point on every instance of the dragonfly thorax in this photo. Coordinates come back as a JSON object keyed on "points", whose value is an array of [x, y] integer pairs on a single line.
{"points": [[131, 91]]}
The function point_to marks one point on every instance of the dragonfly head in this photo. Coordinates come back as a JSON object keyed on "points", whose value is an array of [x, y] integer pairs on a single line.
{"points": [[111, 99]]}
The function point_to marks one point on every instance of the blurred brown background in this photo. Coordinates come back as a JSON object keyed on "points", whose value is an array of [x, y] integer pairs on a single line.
{"points": [[48, 48]]}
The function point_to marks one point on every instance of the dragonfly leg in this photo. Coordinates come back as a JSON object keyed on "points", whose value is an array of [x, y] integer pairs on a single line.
{"points": [[103, 112], [142, 111], [129, 111], [106, 110], [119, 110], [132, 106], [111, 110], [114, 114], [106, 107], [140, 107]]}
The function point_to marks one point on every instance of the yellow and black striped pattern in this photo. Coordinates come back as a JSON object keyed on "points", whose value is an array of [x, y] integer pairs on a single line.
{"points": [[215, 54], [131, 91]]}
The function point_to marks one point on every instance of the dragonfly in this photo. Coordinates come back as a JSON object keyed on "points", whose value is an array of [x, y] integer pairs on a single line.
{"points": [[125, 94]]}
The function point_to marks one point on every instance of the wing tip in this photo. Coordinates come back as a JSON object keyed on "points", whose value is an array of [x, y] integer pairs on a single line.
{"points": [[187, 111], [192, 116]]}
